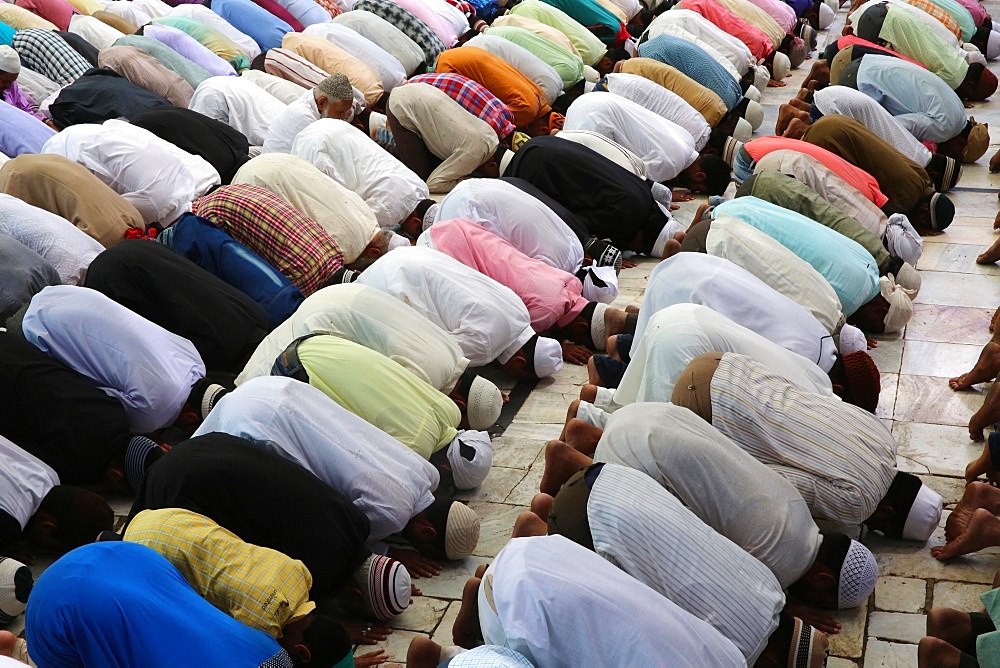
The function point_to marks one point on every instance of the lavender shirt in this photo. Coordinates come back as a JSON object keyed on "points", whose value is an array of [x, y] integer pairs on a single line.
{"points": [[15, 97], [190, 48]]}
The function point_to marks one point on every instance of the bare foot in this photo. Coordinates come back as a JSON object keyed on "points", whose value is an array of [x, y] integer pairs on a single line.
{"points": [[632, 308], [593, 377], [982, 531], [541, 505], [986, 368], [583, 436], [993, 321], [423, 653], [796, 128], [588, 393], [995, 162], [992, 253], [571, 412], [786, 113], [980, 466], [801, 105], [818, 73], [988, 413], [614, 321], [7, 641], [671, 248], [699, 215], [466, 631], [774, 83], [978, 495], [561, 462], [529, 524]]}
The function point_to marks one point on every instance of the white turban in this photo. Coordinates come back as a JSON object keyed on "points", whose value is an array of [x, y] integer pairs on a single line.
{"points": [[470, 455], [900, 305], [600, 284], [902, 240], [10, 62]]}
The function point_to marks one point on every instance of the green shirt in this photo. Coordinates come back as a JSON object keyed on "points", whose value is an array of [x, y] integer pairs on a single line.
{"points": [[568, 65], [210, 38], [590, 48], [913, 39]]}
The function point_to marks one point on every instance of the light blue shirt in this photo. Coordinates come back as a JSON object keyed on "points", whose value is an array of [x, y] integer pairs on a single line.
{"points": [[21, 132], [845, 264], [250, 19], [306, 12], [920, 100], [693, 61]]}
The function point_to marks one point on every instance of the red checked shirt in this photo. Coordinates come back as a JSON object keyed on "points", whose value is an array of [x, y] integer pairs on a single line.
{"points": [[474, 98], [297, 246]]}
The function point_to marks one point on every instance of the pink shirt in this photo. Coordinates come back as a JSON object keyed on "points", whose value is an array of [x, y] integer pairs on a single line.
{"points": [[755, 39], [977, 10], [553, 296], [783, 14], [438, 25], [58, 12], [858, 178]]}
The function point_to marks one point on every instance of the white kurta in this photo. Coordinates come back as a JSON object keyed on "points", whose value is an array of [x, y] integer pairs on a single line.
{"points": [[778, 267], [384, 479], [676, 335], [530, 65], [286, 91], [647, 532], [345, 154], [148, 369], [130, 11], [342, 213], [840, 457], [737, 294], [208, 17], [374, 320], [664, 147], [297, 116], [735, 51], [389, 69], [63, 245], [24, 482], [487, 319], [560, 605], [133, 162], [95, 31], [239, 104], [609, 148], [726, 488], [512, 214], [662, 101], [385, 35]]}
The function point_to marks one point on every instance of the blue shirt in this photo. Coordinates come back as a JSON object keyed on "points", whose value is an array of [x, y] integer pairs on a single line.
{"points": [[693, 61], [122, 604], [845, 264], [6, 34], [20, 132], [259, 24]]}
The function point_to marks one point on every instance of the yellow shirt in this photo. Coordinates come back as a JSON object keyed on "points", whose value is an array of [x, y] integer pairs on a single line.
{"points": [[331, 58], [258, 586]]}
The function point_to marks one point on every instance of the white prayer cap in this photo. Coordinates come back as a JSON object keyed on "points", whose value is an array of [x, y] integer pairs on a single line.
{"points": [[16, 582], [398, 241], [826, 16], [900, 304], [548, 357], [597, 326], [908, 278], [505, 161], [490, 656], [461, 533], [10, 62], [857, 576], [780, 66], [832, 4], [902, 239], [484, 404], [753, 94], [588, 86], [470, 455], [925, 513], [590, 74], [743, 131], [600, 284], [851, 340], [754, 114], [666, 234], [993, 46], [386, 586], [430, 217], [761, 76]]}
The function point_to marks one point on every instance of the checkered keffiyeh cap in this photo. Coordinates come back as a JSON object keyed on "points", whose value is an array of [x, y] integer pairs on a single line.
{"points": [[857, 576]]}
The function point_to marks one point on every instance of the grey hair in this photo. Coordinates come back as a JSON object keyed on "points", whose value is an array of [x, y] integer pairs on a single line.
{"points": [[336, 87]]}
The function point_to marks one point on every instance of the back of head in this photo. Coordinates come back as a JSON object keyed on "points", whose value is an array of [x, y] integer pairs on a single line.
{"points": [[327, 641], [80, 515], [717, 174]]}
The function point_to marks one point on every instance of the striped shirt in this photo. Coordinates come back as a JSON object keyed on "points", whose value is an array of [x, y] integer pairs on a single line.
{"points": [[297, 246], [45, 52], [840, 457], [648, 533], [474, 98], [258, 586]]}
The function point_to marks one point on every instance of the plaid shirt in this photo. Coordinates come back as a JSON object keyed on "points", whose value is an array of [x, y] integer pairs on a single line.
{"points": [[475, 98], [297, 246], [258, 586], [414, 28], [45, 52]]}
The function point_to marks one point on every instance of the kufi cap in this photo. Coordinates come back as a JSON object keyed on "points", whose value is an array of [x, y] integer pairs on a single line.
{"points": [[600, 284], [942, 212], [808, 35], [213, 393], [597, 326], [947, 172], [603, 254], [461, 533], [666, 234], [505, 161], [851, 340], [977, 142], [924, 515], [729, 149], [797, 52], [10, 62], [993, 45], [743, 130], [752, 94], [754, 114], [900, 304], [386, 586], [780, 66], [832, 4], [548, 357], [336, 86], [342, 275], [490, 656], [809, 646], [470, 460], [761, 77], [903, 240], [398, 241], [857, 576], [518, 140], [862, 383], [430, 215], [826, 16], [137, 452], [16, 582], [590, 74], [485, 402], [908, 278]]}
